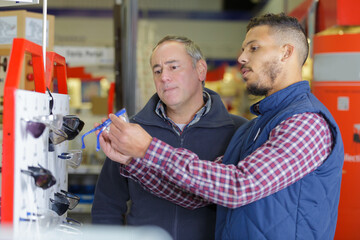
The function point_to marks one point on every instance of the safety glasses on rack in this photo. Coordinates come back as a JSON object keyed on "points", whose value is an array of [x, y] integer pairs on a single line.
{"points": [[72, 198], [37, 125], [102, 127], [57, 137], [72, 222], [43, 177], [54, 122], [36, 129], [72, 126], [60, 204], [73, 157]]}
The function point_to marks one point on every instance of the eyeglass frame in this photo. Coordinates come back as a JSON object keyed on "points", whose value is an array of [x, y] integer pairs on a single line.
{"points": [[102, 127], [53, 122], [72, 131], [72, 198], [72, 157], [35, 173], [60, 204]]}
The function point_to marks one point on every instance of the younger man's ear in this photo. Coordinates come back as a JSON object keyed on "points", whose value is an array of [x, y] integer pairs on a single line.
{"points": [[288, 51]]}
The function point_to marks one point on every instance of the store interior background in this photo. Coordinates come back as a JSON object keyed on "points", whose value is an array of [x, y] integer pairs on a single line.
{"points": [[89, 26], [219, 33]]}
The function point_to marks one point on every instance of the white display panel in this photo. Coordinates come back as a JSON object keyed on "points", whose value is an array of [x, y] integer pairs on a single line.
{"points": [[29, 199]]}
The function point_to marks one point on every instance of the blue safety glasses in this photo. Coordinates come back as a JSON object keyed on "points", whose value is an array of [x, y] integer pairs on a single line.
{"points": [[102, 127]]}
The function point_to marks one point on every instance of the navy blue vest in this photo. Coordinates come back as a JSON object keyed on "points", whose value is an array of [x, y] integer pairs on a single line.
{"points": [[306, 209]]}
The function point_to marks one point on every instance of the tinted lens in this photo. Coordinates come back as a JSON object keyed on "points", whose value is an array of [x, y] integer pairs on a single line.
{"points": [[81, 125], [57, 136], [43, 177], [60, 207], [72, 126], [35, 128], [71, 134], [44, 180], [71, 122], [52, 181], [59, 197], [72, 198]]}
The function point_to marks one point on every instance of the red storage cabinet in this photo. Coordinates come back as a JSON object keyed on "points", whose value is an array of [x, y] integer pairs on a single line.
{"points": [[337, 84]]}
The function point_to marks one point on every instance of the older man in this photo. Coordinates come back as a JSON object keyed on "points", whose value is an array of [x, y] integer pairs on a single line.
{"points": [[185, 115]]}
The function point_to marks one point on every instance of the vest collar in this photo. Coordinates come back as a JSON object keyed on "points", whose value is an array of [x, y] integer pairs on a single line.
{"points": [[276, 99]]}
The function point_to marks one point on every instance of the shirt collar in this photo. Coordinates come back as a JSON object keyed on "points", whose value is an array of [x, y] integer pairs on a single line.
{"points": [[160, 110]]}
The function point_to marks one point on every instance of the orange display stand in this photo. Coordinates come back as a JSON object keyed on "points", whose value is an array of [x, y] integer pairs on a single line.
{"points": [[337, 85], [56, 64], [20, 47], [56, 68]]}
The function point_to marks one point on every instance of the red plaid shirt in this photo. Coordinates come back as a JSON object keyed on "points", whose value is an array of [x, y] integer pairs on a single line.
{"points": [[296, 147]]}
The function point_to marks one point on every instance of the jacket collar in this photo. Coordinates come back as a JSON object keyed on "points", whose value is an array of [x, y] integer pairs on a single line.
{"points": [[216, 116], [273, 101]]}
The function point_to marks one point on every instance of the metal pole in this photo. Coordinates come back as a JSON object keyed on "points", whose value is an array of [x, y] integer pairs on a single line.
{"points": [[130, 51], [44, 32], [125, 22], [119, 89]]}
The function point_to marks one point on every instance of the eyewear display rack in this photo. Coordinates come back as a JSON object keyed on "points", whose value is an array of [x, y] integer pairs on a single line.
{"points": [[23, 204]]}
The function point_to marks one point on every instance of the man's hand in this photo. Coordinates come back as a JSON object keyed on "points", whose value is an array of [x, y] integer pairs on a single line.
{"points": [[126, 138], [111, 153]]}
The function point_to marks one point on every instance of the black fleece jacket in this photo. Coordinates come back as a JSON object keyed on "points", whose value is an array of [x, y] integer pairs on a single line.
{"points": [[208, 138]]}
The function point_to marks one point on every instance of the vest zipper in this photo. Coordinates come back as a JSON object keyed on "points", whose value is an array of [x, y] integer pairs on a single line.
{"points": [[257, 134]]}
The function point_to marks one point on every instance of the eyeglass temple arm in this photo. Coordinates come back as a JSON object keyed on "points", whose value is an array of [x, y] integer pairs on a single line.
{"points": [[27, 172], [101, 127], [91, 131], [119, 113]]}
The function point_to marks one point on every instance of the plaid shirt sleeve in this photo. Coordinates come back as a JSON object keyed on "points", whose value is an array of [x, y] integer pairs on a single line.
{"points": [[296, 147], [160, 186]]}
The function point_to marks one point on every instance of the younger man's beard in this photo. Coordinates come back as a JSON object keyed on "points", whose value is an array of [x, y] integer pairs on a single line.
{"points": [[270, 70]]}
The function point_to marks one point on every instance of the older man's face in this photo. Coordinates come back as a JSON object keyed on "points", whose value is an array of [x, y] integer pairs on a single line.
{"points": [[176, 80]]}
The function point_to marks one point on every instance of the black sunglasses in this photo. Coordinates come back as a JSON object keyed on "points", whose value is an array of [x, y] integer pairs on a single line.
{"points": [[72, 198], [43, 177], [72, 126], [60, 204]]}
